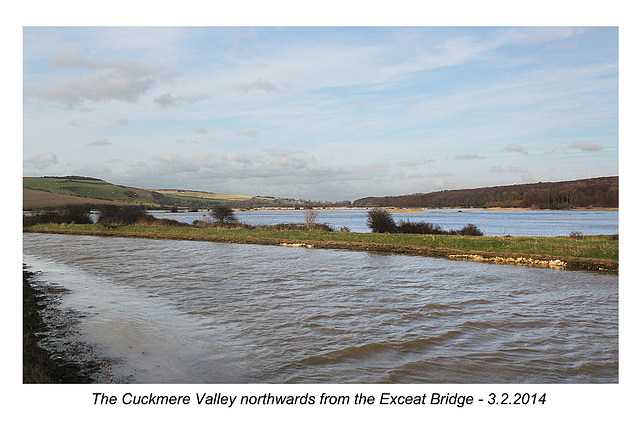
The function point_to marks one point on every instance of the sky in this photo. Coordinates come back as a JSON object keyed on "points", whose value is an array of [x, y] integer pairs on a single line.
{"points": [[320, 113]]}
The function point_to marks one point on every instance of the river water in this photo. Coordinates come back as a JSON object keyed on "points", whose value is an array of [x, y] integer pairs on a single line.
{"points": [[490, 222], [198, 312]]}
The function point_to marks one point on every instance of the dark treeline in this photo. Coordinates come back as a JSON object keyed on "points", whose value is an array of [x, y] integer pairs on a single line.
{"points": [[596, 192]]}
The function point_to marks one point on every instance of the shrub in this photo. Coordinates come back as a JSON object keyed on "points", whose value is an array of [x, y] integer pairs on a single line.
{"points": [[406, 227], [381, 221], [40, 218], [121, 215], [223, 214], [310, 217], [576, 235], [470, 229], [75, 213], [80, 214]]}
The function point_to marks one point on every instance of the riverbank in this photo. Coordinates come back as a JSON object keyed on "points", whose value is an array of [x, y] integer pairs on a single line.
{"points": [[592, 253], [38, 364]]}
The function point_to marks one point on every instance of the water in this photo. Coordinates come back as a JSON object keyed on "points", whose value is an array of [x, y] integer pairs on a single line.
{"points": [[198, 312], [490, 222]]}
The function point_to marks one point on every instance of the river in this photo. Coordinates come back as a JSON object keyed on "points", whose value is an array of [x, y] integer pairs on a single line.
{"points": [[198, 312], [490, 222]]}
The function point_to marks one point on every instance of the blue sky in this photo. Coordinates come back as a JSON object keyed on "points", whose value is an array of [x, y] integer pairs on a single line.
{"points": [[322, 113]]}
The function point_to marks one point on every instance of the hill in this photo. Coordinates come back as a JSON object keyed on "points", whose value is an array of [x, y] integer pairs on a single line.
{"points": [[50, 191], [595, 192]]}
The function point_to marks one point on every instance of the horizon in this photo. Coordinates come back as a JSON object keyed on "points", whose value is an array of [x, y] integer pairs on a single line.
{"points": [[321, 113], [306, 199]]}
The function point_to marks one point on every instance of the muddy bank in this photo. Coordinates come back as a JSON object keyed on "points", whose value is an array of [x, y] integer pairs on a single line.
{"points": [[45, 365]]}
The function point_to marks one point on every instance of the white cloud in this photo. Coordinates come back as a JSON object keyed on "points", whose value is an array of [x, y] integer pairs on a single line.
{"points": [[467, 157], [200, 130], [413, 101], [510, 169], [515, 148], [262, 85], [249, 132], [585, 146], [123, 122], [100, 143], [44, 160], [107, 79], [167, 100]]}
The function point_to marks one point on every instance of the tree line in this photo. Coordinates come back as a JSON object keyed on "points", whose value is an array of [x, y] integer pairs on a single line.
{"points": [[595, 192]]}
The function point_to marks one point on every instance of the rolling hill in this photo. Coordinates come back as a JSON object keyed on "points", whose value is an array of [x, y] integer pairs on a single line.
{"points": [[49, 191], [43, 192], [594, 192]]}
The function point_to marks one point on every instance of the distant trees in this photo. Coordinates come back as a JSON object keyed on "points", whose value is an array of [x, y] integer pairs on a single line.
{"points": [[595, 192]]}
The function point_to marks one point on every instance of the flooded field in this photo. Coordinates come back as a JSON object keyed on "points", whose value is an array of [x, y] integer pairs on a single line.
{"points": [[198, 312], [491, 222]]}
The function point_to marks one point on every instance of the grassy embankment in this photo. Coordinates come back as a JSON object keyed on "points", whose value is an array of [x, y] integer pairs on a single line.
{"points": [[598, 253]]}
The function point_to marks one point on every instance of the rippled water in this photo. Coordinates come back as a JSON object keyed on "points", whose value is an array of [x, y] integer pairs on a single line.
{"points": [[199, 312], [491, 222]]}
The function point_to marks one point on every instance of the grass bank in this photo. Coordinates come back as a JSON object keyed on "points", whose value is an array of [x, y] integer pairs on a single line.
{"points": [[596, 253]]}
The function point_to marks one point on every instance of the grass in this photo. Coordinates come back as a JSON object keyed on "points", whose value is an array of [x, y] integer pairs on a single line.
{"points": [[589, 253], [202, 195], [100, 190]]}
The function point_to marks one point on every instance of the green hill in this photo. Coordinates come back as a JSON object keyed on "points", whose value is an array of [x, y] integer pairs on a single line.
{"points": [[50, 191], [89, 188]]}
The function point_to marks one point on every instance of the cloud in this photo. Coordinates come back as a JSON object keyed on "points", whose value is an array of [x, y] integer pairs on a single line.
{"points": [[467, 157], [201, 130], [123, 122], [181, 141], [585, 146], [167, 100], [249, 132], [116, 78], [44, 160], [515, 148], [261, 85], [413, 101], [414, 163], [100, 143], [510, 169]]}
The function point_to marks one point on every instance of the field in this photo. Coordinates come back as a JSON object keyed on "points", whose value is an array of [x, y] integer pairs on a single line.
{"points": [[88, 191], [56, 191], [202, 195], [33, 199], [598, 253]]}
